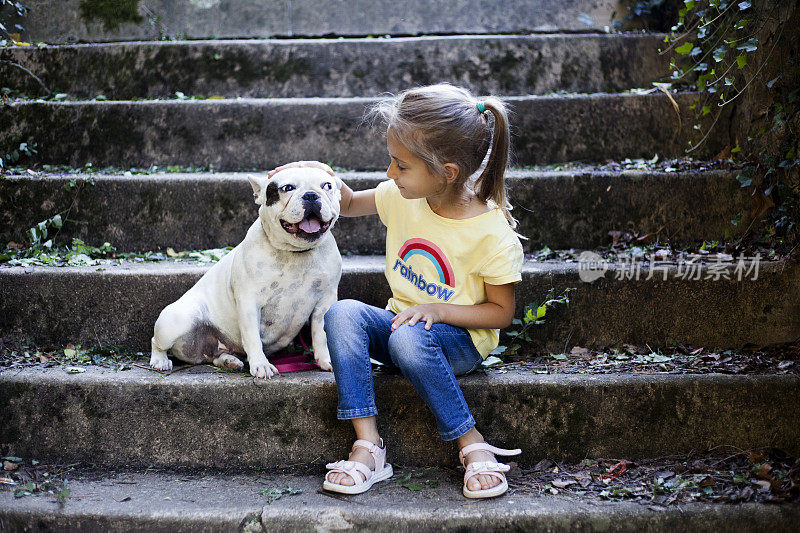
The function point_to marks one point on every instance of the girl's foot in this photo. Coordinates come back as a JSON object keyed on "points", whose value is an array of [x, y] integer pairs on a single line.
{"points": [[360, 455], [483, 475], [354, 476], [481, 481]]}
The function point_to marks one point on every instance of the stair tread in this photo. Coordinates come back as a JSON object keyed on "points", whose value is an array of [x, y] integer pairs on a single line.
{"points": [[178, 501]]}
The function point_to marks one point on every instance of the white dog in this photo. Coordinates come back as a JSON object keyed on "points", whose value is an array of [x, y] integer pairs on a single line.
{"points": [[259, 296]]}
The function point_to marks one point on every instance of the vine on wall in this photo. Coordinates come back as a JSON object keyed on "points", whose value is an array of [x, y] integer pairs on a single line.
{"points": [[742, 55]]}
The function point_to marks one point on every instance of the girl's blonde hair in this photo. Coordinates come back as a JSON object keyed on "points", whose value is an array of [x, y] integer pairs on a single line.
{"points": [[442, 124]]}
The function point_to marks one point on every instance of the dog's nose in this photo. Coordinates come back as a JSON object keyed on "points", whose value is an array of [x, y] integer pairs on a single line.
{"points": [[311, 196]]}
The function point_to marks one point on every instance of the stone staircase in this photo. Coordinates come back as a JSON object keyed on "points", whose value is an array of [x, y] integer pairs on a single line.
{"points": [[263, 97]]}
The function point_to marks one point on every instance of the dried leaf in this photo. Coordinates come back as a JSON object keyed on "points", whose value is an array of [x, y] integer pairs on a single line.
{"points": [[761, 203], [762, 485], [563, 483]]}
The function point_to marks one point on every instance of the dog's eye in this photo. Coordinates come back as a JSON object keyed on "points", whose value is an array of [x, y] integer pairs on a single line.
{"points": [[327, 186], [287, 188]]}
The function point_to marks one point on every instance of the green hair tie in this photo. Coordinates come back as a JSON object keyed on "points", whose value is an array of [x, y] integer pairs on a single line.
{"points": [[481, 108]]}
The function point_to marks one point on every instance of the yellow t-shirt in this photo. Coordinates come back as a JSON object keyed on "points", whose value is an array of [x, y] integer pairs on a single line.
{"points": [[432, 259]]}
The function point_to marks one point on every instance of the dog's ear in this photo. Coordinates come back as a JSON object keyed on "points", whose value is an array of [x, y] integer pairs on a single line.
{"points": [[259, 184]]}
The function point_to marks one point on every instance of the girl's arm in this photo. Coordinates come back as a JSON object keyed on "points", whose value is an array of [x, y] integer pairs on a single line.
{"points": [[496, 313], [357, 203], [352, 204]]}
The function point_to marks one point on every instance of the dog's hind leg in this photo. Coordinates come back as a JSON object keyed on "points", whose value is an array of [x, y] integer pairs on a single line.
{"points": [[168, 332], [227, 360]]}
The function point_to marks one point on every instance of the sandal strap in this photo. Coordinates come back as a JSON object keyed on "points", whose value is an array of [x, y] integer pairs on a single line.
{"points": [[489, 468], [469, 448], [378, 452], [349, 467]]}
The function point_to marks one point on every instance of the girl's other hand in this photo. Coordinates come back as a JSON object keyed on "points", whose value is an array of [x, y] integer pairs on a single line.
{"points": [[427, 313], [301, 164]]}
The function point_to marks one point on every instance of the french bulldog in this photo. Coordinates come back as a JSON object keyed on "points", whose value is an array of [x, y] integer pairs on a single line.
{"points": [[256, 299]]}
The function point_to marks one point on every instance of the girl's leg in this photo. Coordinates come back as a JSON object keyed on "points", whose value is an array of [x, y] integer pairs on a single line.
{"points": [[431, 360], [355, 332]]}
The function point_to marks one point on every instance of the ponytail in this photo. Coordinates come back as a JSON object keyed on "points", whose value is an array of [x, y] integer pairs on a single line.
{"points": [[490, 185]]}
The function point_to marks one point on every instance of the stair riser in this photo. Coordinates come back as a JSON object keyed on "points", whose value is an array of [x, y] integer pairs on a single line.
{"points": [[115, 306], [532, 64], [188, 19], [188, 212], [180, 420], [248, 134], [564, 516]]}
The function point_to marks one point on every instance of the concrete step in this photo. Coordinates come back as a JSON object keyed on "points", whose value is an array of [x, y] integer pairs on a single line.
{"points": [[72, 20], [199, 417], [263, 133], [190, 502], [117, 304], [559, 209], [492, 64]]}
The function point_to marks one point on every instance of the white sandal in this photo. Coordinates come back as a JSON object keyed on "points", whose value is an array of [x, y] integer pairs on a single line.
{"points": [[383, 470], [490, 468]]}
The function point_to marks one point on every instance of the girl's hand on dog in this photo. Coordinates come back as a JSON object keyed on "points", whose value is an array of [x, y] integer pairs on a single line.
{"points": [[299, 164], [427, 313]]}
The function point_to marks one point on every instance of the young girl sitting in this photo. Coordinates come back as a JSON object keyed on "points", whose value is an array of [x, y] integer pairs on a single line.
{"points": [[452, 258]]}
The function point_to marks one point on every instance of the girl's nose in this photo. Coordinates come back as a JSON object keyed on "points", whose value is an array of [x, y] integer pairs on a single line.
{"points": [[389, 172]]}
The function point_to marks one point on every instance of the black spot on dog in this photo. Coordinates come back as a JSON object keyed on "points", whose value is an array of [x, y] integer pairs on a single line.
{"points": [[272, 195]]}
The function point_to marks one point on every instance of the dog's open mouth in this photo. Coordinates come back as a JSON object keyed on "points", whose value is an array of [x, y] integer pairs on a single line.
{"points": [[310, 228]]}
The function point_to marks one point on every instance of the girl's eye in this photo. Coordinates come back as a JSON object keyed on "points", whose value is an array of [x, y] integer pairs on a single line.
{"points": [[401, 168], [287, 188], [327, 186]]}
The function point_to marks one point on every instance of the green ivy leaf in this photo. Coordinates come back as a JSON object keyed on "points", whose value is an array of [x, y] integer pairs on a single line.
{"points": [[685, 48], [741, 61], [706, 110], [744, 5]]}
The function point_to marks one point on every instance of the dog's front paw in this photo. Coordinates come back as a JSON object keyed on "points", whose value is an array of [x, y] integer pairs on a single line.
{"points": [[160, 361], [263, 369], [323, 360]]}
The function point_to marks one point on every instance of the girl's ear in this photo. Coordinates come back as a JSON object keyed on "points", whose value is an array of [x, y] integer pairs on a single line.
{"points": [[452, 171]]}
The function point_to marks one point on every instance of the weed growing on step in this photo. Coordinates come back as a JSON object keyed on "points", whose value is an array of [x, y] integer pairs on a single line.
{"points": [[37, 169], [30, 477], [72, 358], [25, 149], [416, 480], [273, 494], [534, 315]]}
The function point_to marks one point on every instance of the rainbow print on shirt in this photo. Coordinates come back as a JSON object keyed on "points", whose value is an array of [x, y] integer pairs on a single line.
{"points": [[434, 254]]}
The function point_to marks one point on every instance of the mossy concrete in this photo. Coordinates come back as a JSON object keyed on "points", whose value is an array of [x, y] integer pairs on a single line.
{"points": [[560, 209], [118, 304], [60, 21], [258, 133], [493, 64], [201, 418], [178, 502]]}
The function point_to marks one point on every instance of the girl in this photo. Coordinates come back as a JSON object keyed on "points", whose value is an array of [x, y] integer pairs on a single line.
{"points": [[452, 258]]}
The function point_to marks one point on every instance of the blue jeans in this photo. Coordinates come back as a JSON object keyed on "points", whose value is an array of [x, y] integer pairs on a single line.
{"points": [[429, 359]]}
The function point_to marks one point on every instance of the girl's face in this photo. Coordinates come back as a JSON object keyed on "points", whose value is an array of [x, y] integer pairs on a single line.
{"points": [[410, 173]]}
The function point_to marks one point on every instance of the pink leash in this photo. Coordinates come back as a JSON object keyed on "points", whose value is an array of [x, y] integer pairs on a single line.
{"points": [[294, 361]]}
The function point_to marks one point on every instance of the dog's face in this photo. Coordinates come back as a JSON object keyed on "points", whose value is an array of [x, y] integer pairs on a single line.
{"points": [[299, 204]]}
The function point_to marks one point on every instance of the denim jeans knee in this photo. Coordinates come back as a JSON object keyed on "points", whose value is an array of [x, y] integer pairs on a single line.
{"points": [[426, 357]]}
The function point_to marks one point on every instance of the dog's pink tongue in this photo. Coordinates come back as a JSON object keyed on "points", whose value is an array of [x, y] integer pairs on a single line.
{"points": [[310, 225]]}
